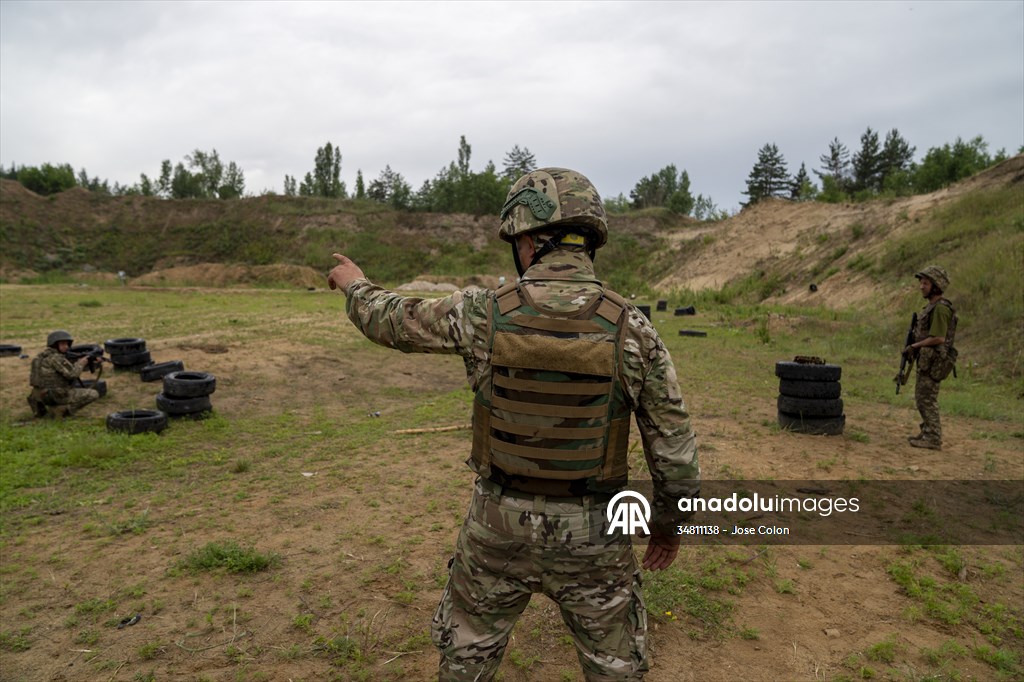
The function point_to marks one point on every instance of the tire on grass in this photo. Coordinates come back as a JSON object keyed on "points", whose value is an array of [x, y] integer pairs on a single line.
{"points": [[818, 426], [182, 407], [137, 421], [819, 390], [132, 361], [124, 346], [7, 349], [159, 370], [802, 371], [809, 407], [189, 384]]}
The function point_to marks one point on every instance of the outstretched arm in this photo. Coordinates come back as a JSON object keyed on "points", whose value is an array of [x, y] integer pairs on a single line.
{"points": [[344, 273]]}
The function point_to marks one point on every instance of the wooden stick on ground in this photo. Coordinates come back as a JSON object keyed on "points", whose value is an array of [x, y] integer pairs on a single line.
{"points": [[438, 429]]}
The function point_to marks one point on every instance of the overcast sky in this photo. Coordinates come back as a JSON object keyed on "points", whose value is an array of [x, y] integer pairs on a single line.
{"points": [[615, 90]]}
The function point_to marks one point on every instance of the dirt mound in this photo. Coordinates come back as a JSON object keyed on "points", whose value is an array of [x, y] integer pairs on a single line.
{"points": [[790, 235], [218, 275]]}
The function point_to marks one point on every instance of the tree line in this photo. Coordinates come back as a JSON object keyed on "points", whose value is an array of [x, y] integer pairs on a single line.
{"points": [[878, 168]]}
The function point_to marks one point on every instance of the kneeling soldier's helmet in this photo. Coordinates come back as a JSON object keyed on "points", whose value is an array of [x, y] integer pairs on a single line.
{"points": [[554, 198], [937, 275], [59, 335]]}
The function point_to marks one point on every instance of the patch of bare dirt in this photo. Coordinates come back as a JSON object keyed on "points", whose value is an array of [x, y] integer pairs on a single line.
{"points": [[220, 275]]}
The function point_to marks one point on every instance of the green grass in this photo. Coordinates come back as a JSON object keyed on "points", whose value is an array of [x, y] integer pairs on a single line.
{"points": [[228, 556]]}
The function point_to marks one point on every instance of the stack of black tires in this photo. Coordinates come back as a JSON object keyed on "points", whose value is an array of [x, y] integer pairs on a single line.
{"points": [[187, 394], [809, 401], [128, 354]]}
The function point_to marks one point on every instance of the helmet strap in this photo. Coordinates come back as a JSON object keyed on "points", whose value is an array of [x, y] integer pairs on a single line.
{"points": [[550, 245], [515, 256]]}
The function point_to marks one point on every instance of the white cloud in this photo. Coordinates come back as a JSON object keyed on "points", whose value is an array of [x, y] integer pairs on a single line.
{"points": [[618, 90]]}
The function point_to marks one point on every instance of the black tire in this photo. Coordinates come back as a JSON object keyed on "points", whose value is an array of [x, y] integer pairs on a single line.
{"points": [[692, 332], [137, 421], [809, 407], [822, 426], [818, 390], [662, 306], [133, 361], [124, 346], [7, 349], [99, 385], [189, 384], [159, 370], [645, 310], [688, 310], [179, 407], [801, 371]]}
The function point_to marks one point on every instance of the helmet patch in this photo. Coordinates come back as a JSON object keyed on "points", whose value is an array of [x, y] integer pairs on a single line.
{"points": [[540, 205]]}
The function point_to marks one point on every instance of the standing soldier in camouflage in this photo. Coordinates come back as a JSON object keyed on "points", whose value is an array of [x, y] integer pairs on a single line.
{"points": [[53, 377], [558, 363], [936, 356]]}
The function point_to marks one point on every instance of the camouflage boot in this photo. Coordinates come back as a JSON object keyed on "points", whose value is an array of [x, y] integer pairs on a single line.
{"points": [[922, 442], [38, 408]]}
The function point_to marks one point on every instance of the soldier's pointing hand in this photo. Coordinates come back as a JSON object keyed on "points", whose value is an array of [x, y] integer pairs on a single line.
{"points": [[344, 273]]}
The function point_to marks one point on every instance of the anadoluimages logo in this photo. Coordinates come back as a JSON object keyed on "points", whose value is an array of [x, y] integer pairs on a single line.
{"points": [[626, 516]]}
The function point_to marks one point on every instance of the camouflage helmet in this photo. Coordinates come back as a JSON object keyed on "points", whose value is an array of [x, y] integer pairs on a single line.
{"points": [[937, 275], [59, 335], [549, 197]]}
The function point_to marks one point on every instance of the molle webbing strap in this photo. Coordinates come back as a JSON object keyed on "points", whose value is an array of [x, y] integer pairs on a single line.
{"points": [[550, 387], [550, 474], [547, 353], [618, 442], [564, 411], [508, 298], [533, 431], [549, 324], [546, 453], [611, 306]]}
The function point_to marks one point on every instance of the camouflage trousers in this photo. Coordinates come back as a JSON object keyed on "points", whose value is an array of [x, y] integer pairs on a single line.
{"points": [[926, 395], [73, 398], [511, 546]]}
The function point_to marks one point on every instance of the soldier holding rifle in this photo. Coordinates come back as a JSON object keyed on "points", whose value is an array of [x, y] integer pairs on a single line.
{"points": [[932, 347]]}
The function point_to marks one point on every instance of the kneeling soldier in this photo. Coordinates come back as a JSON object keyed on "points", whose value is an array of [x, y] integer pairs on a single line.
{"points": [[53, 378]]}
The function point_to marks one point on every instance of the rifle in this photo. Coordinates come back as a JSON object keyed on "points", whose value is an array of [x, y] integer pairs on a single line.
{"points": [[95, 361], [906, 359]]}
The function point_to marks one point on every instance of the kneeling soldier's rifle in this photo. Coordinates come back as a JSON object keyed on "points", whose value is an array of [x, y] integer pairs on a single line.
{"points": [[907, 357], [94, 364]]}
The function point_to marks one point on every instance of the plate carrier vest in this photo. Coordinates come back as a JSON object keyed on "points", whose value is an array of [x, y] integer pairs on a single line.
{"points": [[924, 322], [553, 406]]}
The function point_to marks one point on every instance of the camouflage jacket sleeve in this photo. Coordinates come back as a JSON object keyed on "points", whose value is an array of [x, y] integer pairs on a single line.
{"points": [[452, 325], [670, 446], [57, 364]]}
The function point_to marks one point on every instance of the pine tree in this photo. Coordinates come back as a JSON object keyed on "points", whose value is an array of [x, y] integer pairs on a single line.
{"points": [[360, 185], [867, 164], [801, 188], [836, 165], [896, 162], [518, 163], [325, 180], [769, 176]]}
